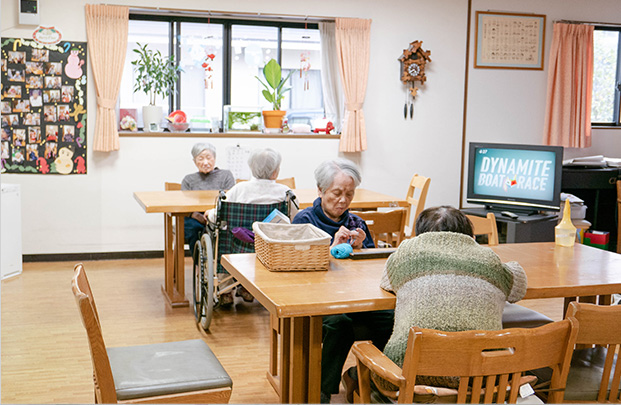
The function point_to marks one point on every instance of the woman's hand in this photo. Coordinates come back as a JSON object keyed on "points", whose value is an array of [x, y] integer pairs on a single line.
{"points": [[199, 217], [355, 238]]}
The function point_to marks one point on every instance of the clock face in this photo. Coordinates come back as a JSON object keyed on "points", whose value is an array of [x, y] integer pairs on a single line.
{"points": [[413, 69]]}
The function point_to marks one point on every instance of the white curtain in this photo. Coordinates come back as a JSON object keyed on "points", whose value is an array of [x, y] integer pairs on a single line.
{"points": [[333, 99]]}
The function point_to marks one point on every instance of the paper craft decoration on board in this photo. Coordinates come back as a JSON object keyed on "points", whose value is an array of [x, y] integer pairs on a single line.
{"points": [[43, 107]]}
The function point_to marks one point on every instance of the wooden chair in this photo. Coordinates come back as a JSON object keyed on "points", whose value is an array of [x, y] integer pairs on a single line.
{"points": [[287, 181], [491, 361], [387, 226], [418, 185], [513, 315], [618, 216], [595, 372], [173, 372], [485, 226], [169, 219]]}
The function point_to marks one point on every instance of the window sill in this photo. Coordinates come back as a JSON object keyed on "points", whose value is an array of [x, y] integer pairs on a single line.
{"points": [[141, 134]]}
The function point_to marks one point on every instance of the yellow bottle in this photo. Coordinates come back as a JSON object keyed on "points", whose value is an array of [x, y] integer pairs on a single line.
{"points": [[565, 231]]}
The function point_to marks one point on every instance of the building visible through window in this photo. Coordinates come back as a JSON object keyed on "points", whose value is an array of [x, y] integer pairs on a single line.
{"points": [[606, 76]]}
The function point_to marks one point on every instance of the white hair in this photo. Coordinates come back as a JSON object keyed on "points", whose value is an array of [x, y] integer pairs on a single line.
{"points": [[264, 162], [198, 148], [327, 171]]}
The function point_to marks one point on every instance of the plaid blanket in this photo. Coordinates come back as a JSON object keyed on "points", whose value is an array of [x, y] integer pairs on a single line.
{"points": [[233, 215]]}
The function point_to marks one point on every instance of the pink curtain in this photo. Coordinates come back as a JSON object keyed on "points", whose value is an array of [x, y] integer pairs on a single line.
{"points": [[570, 86], [352, 46], [106, 30]]}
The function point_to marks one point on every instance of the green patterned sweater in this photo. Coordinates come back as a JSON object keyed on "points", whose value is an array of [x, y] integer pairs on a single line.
{"points": [[447, 281]]}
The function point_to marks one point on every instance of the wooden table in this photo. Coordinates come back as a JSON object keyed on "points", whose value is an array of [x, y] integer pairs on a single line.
{"points": [[177, 204], [300, 299]]}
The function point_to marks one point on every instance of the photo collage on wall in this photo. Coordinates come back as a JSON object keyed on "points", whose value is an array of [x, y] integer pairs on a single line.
{"points": [[43, 107]]}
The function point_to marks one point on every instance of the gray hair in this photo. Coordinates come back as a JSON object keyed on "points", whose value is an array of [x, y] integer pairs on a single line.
{"points": [[200, 147], [327, 171], [264, 162]]}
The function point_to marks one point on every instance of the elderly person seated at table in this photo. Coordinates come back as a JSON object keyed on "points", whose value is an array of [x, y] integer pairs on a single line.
{"points": [[208, 177], [445, 280], [262, 189], [336, 184]]}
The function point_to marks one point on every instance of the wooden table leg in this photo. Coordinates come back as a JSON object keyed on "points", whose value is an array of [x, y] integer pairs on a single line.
{"points": [[314, 359], [174, 271], [299, 361]]}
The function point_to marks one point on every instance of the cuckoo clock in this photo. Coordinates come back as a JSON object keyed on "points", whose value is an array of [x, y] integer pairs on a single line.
{"points": [[413, 63]]}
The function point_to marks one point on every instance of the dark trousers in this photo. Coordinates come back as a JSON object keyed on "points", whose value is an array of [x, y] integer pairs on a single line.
{"points": [[340, 332], [192, 230]]}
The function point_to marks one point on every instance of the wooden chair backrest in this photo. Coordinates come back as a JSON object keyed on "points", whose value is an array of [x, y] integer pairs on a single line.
{"points": [[416, 203], [485, 226], [388, 226], [490, 359], [172, 186], [105, 391], [287, 181], [619, 216], [597, 328]]}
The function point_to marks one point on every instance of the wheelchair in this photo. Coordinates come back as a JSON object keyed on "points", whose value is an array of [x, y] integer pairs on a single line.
{"points": [[218, 239]]}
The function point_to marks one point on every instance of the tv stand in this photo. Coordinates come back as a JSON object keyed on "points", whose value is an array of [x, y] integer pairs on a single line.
{"points": [[521, 211], [538, 227]]}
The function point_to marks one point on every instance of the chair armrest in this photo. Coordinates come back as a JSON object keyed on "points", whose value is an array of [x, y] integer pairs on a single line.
{"points": [[377, 362]]}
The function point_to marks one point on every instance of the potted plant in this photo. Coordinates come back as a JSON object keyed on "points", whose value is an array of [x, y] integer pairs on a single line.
{"points": [[274, 92], [154, 75]]}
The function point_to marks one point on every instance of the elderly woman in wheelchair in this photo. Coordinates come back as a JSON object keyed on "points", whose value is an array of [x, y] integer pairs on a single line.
{"points": [[228, 231]]}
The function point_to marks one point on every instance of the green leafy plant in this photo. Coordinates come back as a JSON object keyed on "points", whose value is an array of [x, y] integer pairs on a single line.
{"points": [[275, 88], [155, 74]]}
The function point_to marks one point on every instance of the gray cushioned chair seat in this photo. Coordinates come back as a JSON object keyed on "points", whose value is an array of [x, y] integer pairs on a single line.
{"points": [[517, 316], [585, 374], [165, 368]]}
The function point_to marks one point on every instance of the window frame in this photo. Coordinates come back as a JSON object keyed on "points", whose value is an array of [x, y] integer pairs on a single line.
{"points": [[616, 123], [174, 21]]}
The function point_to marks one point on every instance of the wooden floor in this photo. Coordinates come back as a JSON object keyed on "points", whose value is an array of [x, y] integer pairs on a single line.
{"points": [[45, 356]]}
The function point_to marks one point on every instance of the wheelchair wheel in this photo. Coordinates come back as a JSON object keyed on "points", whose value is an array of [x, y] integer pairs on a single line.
{"points": [[197, 281], [204, 286], [209, 286]]}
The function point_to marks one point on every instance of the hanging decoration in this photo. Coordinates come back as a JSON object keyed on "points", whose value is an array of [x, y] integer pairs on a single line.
{"points": [[43, 107], [304, 68], [413, 63], [207, 65]]}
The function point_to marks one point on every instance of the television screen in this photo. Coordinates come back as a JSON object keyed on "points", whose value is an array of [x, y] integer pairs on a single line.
{"points": [[524, 178]]}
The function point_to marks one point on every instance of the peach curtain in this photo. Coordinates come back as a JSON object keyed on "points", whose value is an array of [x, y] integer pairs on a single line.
{"points": [[352, 46], [106, 30], [570, 86]]}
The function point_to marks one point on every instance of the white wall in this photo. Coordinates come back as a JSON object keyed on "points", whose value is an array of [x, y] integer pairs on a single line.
{"points": [[97, 212]]}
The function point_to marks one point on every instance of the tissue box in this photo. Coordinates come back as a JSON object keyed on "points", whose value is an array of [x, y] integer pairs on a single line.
{"points": [[597, 239]]}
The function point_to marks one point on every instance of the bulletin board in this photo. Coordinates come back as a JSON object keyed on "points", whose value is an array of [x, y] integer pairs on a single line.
{"points": [[509, 40], [43, 107]]}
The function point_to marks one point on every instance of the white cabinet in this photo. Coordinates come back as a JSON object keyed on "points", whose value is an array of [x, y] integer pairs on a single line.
{"points": [[11, 237]]}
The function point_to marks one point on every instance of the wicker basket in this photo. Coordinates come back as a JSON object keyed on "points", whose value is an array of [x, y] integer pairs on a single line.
{"points": [[291, 247]]}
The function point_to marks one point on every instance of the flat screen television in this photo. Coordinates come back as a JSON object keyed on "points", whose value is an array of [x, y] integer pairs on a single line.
{"points": [[524, 179]]}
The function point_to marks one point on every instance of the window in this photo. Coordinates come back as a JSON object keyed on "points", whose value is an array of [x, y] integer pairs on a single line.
{"points": [[220, 59], [606, 76]]}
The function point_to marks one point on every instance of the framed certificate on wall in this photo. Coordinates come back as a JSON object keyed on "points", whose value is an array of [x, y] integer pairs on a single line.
{"points": [[509, 40]]}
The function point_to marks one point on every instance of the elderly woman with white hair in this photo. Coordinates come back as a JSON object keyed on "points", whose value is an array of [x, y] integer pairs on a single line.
{"points": [[336, 184], [262, 189], [208, 177]]}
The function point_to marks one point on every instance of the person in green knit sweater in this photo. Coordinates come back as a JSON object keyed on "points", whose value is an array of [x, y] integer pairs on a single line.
{"points": [[445, 280]]}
